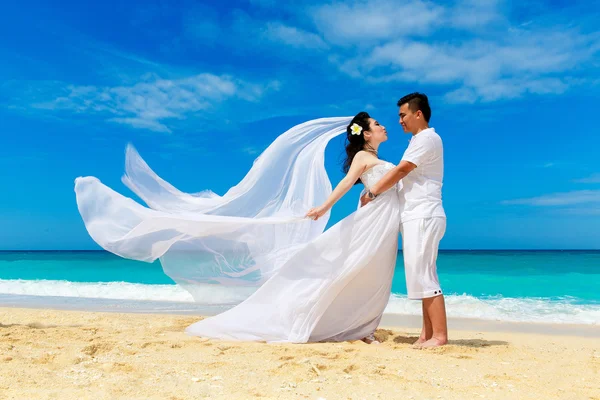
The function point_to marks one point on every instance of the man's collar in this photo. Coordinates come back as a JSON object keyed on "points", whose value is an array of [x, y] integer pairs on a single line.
{"points": [[415, 135]]}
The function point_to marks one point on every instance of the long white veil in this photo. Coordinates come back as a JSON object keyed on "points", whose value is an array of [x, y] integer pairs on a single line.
{"points": [[203, 239]]}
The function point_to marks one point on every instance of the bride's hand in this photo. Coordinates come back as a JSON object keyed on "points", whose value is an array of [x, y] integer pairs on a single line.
{"points": [[316, 212]]}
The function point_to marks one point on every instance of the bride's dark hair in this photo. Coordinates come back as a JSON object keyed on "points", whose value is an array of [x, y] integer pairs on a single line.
{"points": [[355, 143]]}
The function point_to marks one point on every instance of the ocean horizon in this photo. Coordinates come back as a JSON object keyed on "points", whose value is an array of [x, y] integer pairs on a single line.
{"points": [[544, 286]]}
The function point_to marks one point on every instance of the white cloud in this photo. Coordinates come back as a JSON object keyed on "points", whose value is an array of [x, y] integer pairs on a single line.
{"points": [[251, 150], [469, 46], [504, 89], [348, 23], [153, 101], [476, 50], [473, 14], [483, 70], [594, 178], [246, 33], [289, 35], [270, 36], [583, 211], [140, 123], [559, 199]]}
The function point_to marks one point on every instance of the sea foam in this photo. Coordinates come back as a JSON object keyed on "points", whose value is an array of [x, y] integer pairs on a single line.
{"points": [[555, 310]]}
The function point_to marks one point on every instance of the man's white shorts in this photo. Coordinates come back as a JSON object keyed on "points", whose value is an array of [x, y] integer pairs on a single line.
{"points": [[420, 242]]}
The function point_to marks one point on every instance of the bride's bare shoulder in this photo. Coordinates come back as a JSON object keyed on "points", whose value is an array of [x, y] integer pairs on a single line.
{"points": [[364, 157], [365, 154]]}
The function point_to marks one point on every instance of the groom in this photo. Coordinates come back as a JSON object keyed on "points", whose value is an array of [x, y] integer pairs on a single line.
{"points": [[423, 220]]}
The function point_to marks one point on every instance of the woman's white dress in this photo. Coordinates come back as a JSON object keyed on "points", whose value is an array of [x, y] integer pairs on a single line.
{"points": [[335, 288], [303, 284]]}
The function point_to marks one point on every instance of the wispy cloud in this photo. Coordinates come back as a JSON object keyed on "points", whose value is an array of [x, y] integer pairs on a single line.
{"points": [[270, 36], [473, 50], [470, 50], [594, 178], [251, 150], [480, 13], [559, 199], [365, 22], [291, 36], [247, 33], [152, 102], [593, 211], [534, 61], [489, 58]]}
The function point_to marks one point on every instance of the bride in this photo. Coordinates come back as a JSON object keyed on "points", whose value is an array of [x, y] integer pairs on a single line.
{"points": [[306, 285]]}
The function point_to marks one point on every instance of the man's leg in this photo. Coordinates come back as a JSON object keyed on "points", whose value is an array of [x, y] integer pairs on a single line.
{"points": [[420, 242], [422, 279], [436, 310], [427, 330], [435, 305], [411, 250]]}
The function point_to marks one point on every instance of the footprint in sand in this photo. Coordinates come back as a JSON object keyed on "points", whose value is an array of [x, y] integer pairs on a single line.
{"points": [[462, 357], [97, 348], [45, 359], [147, 344], [215, 364], [321, 367], [117, 367], [350, 368], [225, 348], [382, 335]]}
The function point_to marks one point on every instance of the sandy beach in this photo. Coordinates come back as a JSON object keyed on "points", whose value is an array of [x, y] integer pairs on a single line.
{"points": [[50, 354]]}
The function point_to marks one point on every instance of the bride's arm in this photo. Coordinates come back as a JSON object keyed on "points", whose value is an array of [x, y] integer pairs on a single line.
{"points": [[356, 169]]}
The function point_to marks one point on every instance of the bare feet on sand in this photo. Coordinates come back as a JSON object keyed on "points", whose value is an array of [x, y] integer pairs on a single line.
{"points": [[433, 342], [419, 342]]}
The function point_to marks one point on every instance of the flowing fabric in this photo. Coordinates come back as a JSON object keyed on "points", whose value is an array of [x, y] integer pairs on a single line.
{"points": [[334, 288], [202, 239], [305, 285]]}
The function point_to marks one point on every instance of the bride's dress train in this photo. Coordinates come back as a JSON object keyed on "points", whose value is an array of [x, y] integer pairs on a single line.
{"points": [[312, 286]]}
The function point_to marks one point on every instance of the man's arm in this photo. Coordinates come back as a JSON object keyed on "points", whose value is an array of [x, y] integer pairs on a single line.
{"points": [[392, 177], [389, 180]]}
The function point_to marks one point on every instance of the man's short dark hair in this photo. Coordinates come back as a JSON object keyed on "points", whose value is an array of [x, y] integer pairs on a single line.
{"points": [[417, 101]]}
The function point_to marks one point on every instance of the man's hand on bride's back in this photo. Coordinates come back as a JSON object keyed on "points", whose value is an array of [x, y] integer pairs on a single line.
{"points": [[364, 200], [316, 212]]}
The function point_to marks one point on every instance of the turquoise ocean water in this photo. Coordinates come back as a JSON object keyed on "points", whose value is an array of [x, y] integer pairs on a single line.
{"points": [[533, 286]]}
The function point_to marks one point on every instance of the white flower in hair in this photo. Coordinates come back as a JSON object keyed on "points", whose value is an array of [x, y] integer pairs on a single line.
{"points": [[356, 129]]}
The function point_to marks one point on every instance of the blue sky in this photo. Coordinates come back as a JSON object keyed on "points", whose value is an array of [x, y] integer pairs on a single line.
{"points": [[201, 89]]}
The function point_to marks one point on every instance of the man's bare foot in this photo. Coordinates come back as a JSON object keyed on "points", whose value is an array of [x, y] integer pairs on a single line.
{"points": [[419, 342], [434, 342]]}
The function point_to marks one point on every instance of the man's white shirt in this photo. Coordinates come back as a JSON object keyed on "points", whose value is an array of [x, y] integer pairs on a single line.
{"points": [[421, 193]]}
